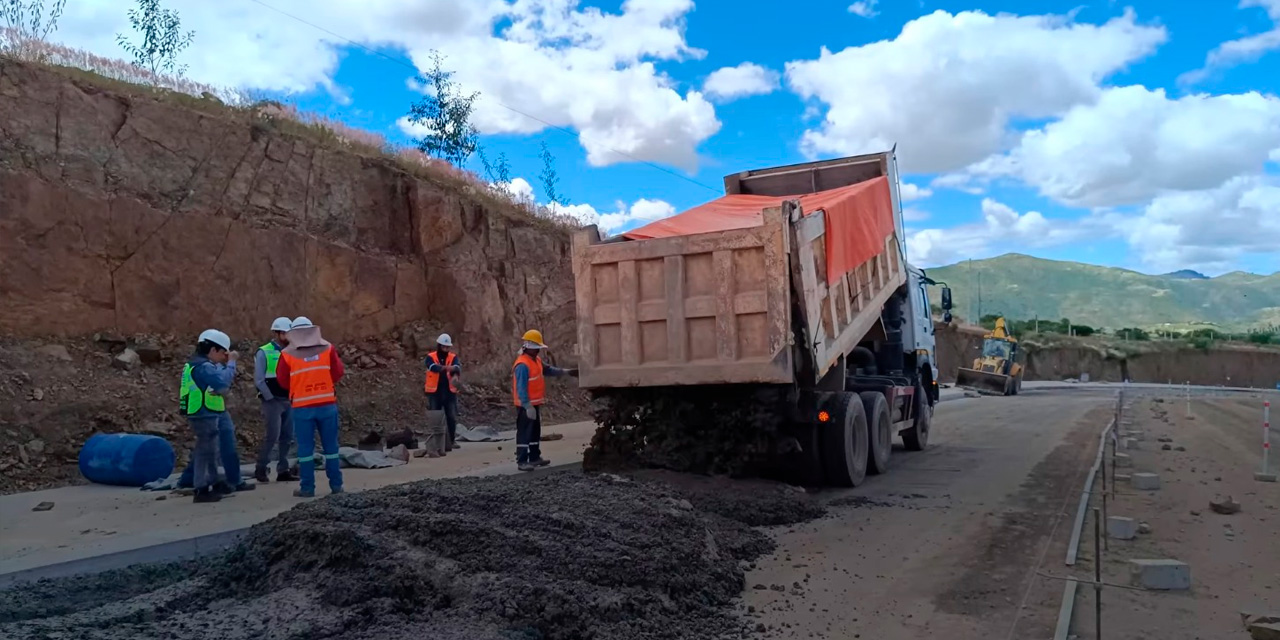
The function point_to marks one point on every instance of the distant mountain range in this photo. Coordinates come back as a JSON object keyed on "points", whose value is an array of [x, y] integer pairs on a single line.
{"points": [[1023, 287]]}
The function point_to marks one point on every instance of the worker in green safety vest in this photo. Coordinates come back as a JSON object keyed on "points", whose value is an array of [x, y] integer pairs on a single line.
{"points": [[206, 378], [276, 409]]}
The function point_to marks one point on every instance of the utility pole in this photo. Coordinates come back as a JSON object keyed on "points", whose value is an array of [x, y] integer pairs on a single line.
{"points": [[979, 295]]}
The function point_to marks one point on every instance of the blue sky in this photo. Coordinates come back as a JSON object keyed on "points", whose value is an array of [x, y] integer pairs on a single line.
{"points": [[1143, 134]]}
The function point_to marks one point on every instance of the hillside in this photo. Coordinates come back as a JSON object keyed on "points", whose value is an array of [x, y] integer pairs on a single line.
{"points": [[1021, 286]]}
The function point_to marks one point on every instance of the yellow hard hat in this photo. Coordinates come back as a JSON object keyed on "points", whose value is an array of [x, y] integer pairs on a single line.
{"points": [[533, 336]]}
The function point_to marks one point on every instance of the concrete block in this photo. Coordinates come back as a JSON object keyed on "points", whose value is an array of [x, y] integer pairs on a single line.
{"points": [[1161, 574], [1122, 528], [1136, 435], [1264, 477], [1145, 481], [1123, 461], [1122, 477], [1130, 444]]}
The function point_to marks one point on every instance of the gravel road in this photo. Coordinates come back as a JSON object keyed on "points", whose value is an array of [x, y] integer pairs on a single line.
{"points": [[945, 545]]}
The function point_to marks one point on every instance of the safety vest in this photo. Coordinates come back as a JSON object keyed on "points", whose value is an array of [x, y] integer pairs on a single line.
{"points": [[193, 398], [433, 378], [273, 358], [537, 386], [310, 381]]}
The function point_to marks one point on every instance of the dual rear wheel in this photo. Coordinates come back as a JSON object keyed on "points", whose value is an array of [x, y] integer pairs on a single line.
{"points": [[857, 439]]}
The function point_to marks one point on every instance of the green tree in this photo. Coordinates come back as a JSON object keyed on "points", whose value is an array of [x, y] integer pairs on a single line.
{"points": [[162, 38], [27, 20], [446, 113], [498, 171], [550, 179]]}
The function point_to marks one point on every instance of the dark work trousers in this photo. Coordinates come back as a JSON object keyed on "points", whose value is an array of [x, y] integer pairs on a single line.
{"points": [[448, 403], [204, 460], [528, 435], [278, 415]]}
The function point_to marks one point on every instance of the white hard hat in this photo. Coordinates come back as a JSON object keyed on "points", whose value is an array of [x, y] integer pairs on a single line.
{"points": [[217, 337], [301, 322], [281, 324], [444, 340]]}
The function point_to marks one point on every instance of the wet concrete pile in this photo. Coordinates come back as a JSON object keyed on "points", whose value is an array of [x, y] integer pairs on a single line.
{"points": [[565, 555], [729, 429]]}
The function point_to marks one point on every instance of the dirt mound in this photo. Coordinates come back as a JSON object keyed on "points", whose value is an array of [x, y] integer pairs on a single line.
{"points": [[730, 429], [565, 555]]}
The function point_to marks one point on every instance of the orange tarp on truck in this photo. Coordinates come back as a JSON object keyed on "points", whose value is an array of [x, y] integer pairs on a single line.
{"points": [[859, 218]]}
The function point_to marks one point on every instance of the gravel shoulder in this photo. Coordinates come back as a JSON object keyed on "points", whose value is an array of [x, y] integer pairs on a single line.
{"points": [[1234, 559]]}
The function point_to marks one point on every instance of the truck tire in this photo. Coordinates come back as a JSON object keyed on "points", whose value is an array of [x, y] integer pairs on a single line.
{"points": [[916, 438], [879, 431], [845, 445]]}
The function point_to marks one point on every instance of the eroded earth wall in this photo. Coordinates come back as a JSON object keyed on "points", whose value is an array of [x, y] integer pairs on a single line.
{"points": [[130, 212]]}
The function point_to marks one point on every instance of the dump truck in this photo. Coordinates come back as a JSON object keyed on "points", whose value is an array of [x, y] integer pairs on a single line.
{"points": [[794, 282], [995, 371]]}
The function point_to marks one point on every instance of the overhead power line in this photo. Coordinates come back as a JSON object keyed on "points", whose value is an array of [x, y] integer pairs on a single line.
{"points": [[510, 108]]}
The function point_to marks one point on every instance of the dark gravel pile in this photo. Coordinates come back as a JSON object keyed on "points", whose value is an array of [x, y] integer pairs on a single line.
{"points": [[565, 555]]}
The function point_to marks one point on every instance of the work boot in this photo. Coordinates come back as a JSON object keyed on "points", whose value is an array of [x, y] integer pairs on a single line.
{"points": [[299, 493], [261, 476], [222, 488], [541, 462], [245, 486], [526, 466], [207, 495], [336, 491], [285, 476]]}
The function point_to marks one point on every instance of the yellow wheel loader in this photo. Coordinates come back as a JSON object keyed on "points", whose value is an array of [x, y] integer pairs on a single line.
{"points": [[995, 372]]}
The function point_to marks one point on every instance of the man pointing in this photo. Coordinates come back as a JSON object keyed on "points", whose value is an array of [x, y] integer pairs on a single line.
{"points": [[528, 391]]}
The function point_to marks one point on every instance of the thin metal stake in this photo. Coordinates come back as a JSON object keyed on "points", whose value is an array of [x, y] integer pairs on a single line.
{"points": [[1266, 437], [1097, 576], [1106, 541]]}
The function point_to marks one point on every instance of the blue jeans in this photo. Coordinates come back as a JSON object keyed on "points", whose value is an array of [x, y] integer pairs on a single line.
{"points": [[226, 449], [202, 472], [307, 421]]}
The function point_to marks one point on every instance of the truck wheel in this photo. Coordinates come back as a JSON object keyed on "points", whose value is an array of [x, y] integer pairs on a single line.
{"points": [[917, 437], [844, 441], [879, 431]]}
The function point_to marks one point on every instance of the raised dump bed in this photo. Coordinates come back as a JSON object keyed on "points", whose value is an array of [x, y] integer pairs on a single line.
{"points": [[795, 278]]}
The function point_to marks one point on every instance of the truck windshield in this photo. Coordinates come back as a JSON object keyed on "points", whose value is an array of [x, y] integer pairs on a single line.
{"points": [[997, 349]]}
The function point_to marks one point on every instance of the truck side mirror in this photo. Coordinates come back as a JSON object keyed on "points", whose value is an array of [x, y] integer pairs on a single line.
{"points": [[946, 298], [946, 319]]}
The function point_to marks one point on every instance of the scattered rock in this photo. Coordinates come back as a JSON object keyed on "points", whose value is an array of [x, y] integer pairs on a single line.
{"points": [[547, 437], [1164, 439], [43, 506], [1158, 400], [37, 394], [1144, 527], [22, 455], [127, 360], [972, 394], [55, 352], [109, 341], [418, 453], [1166, 447], [36, 446], [1226, 506], [777, 587], [399, 452], [148, 352], [159, 498], [1261, 627], [1179, 448], [1194, 512], [158, 428]]}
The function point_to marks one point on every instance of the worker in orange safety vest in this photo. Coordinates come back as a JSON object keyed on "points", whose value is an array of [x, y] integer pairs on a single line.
{"points": [[444, 363], [528, 391], [309, 370]]}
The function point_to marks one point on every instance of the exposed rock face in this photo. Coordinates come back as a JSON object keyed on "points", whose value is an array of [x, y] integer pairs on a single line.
{"points": [[133, 214]]}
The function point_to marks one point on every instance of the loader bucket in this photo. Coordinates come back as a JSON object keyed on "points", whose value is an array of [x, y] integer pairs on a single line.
{"points": [[984, 382]]}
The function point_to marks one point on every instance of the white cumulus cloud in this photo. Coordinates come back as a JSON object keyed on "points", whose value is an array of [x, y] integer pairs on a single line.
{"points": [[1241, 50], [565, 65], [864, 8], [746, 79], [909, 192], [1134, 144], [948, 86], [1002, 229]]}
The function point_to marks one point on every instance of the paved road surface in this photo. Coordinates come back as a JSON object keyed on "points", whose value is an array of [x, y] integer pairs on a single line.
{"points": [[944, 546]]}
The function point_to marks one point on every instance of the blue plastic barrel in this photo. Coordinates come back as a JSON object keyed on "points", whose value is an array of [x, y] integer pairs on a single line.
{"points": [[126, 459]]}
